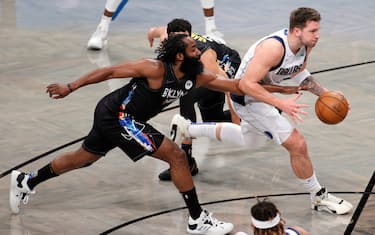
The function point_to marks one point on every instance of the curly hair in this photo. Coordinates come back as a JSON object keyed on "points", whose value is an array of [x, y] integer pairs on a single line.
{"points": [[170, 47]]}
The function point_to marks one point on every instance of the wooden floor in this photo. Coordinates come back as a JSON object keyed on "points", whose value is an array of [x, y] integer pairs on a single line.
{"points": [[44, 41]]}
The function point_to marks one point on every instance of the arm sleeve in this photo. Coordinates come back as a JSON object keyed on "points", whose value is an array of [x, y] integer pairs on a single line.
{"points": [[301, 76]]}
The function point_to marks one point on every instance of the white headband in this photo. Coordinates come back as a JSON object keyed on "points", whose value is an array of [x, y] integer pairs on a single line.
{"points": [[266, 224]]}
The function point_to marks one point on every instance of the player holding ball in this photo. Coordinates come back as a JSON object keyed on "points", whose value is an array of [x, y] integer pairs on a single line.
{"points": [[271, 60]]}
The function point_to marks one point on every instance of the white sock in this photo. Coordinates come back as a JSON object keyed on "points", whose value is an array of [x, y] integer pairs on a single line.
{"points": [[311, 184], [104, 22], [210, 23]]}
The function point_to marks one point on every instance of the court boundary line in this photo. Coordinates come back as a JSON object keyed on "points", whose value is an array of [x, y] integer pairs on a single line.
{"points": [[361, 205]]}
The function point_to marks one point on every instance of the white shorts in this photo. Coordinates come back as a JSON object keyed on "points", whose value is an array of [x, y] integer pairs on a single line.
{"points": [[264, 119]]}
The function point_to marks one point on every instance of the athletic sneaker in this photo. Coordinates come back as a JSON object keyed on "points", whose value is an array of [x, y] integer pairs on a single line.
{"points": [[179, 129], [98, 39], [166, 175], [324, 201], [216, 36], [206, 224], [19, 190]]}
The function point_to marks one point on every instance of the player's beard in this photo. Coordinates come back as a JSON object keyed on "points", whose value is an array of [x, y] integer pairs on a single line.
{"points": [[191, 66]]}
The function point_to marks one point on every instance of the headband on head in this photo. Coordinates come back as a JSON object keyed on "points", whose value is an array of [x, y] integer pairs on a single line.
{"points": [[266, 224]]}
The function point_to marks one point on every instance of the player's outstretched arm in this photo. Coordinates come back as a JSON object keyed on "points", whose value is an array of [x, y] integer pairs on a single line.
{"points": [[141, 68]]}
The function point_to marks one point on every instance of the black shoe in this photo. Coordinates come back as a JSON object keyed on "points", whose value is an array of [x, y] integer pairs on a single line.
{"points": [[166, 175]]}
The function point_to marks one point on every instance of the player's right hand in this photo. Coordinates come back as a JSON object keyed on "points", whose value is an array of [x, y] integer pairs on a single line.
{"points": [[57, 90]]}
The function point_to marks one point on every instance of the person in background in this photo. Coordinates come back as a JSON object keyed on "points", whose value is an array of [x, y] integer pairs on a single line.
{"points": [[99, 38]]}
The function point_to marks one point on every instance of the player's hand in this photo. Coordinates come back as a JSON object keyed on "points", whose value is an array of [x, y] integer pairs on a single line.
{"points": [[57, 91], [156, 33], [293, 109], [150, 36]]}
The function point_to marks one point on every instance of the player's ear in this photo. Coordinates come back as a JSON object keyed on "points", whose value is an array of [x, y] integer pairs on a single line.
{"points": [[180, 56]]}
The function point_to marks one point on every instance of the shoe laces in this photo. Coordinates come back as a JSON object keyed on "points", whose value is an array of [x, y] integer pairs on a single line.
{"points": [[25, 195], [321, 195], [211, 219], [25, 198]]}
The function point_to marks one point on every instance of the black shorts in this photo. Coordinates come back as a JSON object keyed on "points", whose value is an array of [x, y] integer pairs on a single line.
{"points": [[135, 138]]}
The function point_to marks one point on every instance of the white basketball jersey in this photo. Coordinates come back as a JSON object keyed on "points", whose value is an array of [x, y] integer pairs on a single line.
{"points": [[289, 64]]}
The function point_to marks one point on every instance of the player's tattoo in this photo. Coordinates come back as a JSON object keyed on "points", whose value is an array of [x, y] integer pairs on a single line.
{"points": [[313, 86]]}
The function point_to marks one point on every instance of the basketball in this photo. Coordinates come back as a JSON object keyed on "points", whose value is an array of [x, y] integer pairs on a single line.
{"points": [[331, 107]]}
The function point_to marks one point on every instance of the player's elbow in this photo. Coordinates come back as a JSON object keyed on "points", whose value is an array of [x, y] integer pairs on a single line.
{"points": [[245, 86]]}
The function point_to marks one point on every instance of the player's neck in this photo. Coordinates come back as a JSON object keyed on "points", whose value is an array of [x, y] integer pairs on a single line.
{"points": [[177, 71], [294, 43]]}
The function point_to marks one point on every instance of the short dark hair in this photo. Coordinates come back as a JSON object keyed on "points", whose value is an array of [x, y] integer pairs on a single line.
{"points": [[170, 47], [178, 25], [300, 16]]}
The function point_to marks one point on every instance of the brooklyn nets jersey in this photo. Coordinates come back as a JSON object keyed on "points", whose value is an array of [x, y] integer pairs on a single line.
{"points": [[141, 102]]}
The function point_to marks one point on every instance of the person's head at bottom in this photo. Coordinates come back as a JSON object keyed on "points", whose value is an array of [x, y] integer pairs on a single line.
{"points": [[266, 219]]}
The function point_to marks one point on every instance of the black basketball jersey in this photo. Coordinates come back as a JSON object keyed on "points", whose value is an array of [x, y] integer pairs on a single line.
{"points": [[141, 102], [222, 51], [227, 58]]}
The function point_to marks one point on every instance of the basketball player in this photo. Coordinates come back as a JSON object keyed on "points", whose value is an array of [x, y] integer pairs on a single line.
{"points": [[121, 117], [271, 60], [266, 220], [113, 7]]}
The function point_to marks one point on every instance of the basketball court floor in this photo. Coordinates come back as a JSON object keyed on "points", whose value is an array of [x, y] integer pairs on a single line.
{"points": [[44, 42]]}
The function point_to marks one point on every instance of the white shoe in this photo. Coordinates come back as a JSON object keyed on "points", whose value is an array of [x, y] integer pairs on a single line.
{"points": [[98, 39], [324, 201], [215, 35], [206, 224], [19, 190], [179, 129]]}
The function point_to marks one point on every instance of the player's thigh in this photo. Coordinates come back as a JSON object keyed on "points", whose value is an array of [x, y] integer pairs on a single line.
{"points": [[265, 119], [169, 151]]}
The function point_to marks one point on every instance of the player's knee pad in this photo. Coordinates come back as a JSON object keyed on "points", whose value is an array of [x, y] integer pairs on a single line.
{"points": [[111, 5], [207, 4]]}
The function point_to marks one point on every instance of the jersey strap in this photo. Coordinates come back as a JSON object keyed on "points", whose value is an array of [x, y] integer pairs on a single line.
{"points": [[282, 43]]}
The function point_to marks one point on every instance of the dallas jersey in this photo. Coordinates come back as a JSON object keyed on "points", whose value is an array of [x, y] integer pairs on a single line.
{"points": [[288, 231], [289, 64]]}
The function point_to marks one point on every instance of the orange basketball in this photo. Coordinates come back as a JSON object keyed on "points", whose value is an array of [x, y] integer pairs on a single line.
{"points": [[331, 107]]}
